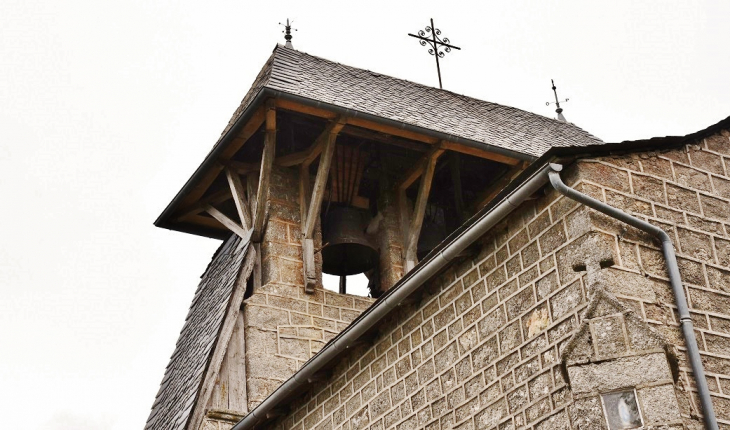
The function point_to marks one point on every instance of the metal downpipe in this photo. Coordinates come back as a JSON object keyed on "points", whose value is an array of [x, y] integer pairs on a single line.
{"points": [[675, 280]]}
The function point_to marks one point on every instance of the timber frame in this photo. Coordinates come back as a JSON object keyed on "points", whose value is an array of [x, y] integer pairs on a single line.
{"points": [[248, 182]]}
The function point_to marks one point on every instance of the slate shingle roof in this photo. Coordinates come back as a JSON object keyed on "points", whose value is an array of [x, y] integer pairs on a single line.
{"points": [[304, 75], [183, 376]]}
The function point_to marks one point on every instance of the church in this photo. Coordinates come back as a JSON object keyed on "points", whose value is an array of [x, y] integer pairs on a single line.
{"points": [[522, 273]]}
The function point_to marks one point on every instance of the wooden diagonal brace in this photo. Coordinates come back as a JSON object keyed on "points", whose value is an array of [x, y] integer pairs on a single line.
{"points": [[227, 222], [310, 154], [267, 161], [239, 198], [411, 231], [310, 212]]}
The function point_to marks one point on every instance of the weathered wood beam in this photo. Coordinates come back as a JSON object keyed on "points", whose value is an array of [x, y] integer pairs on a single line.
{"points": [[395, 131], [267, 161], [364, 133], [491, 192], [227, 222], [239, 198], [310, 154], [417, 170], [243, 168], [204, 183], [455, 167], [320, 183], [419, 210], [481, 153], [215, 198]]}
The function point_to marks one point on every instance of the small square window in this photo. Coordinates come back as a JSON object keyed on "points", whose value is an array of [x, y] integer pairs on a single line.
{"points": [[622, 410]]}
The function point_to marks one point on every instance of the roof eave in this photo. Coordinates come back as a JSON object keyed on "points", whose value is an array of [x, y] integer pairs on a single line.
{"points": [[164, 220]]}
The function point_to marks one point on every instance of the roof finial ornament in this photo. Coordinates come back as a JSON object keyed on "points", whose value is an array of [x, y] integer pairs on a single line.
{"points": [[287, 33], [431, 37], [559, 110]]}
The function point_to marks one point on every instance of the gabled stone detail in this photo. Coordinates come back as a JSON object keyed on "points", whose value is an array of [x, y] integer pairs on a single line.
{"points": [[615, 350], [610, 330]]}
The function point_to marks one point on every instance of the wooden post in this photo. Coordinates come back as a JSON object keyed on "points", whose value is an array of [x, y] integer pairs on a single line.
{"points": [[239, 198], [411, 231], [267, 161], [310, 212]]}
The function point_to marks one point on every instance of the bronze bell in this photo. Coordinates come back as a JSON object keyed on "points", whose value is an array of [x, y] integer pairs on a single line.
{"points": [[347, 250]]}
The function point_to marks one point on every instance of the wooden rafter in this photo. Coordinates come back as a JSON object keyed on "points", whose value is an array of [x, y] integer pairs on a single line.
{"points": [[310, 154], [246, 132], [267, 161], [417, 170], [239, 198], [399, 132]]}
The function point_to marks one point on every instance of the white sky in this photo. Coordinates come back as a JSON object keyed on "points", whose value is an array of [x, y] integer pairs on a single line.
{"points": [[106, 108]]}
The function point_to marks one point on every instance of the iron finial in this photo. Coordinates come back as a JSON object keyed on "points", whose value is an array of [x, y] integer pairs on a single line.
{"points": [[431, 37], [557, 102], [287, 33]]}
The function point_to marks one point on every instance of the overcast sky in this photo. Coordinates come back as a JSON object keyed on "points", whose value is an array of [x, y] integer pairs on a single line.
{"points": [[106, 108]]}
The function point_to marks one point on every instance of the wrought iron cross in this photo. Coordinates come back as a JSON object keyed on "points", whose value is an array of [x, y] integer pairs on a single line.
{"points": [[431, 37]]}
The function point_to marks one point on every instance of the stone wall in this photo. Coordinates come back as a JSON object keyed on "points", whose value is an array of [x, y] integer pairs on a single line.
{"points": [[483, 347], [686, 192]]}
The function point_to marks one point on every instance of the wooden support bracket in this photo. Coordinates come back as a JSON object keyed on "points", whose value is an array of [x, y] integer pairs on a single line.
{"points": [[227, 222], [310, 211], [412, 230], [267, 161], [239, 198]]}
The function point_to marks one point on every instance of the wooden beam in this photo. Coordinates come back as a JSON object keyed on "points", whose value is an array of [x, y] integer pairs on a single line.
{"points": [[417, 170], [319, 186], [396, 131], [204, 183], [481, 153], [364, 133], [243, 168], [227, 222], [419, 210], [491, 192], [267, 161], [310, 154], [239, 198], [455, 167], [215, 198]]}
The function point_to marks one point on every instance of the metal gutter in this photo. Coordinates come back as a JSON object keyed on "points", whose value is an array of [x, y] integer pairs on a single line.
{"points": [[411, 282], [675, 281], [264, 93]]}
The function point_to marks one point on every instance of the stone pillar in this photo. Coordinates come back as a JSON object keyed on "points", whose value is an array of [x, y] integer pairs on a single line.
{"points": [[390, 243], [284, 326]]}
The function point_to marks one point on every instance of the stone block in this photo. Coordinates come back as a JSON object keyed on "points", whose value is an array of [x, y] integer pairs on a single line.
{"points": [[659, 404], [510, 337], [683, 199], [566, 300], [694, 244], [490, 416], [619, 373], [553, 238], [587, 414], [608, 335], [520, 302], [690, 177], [557, 421], [657, 166]]}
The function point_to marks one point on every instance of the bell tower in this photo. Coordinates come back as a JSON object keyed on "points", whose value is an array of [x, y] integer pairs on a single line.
{"points": [[309, 177]]}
